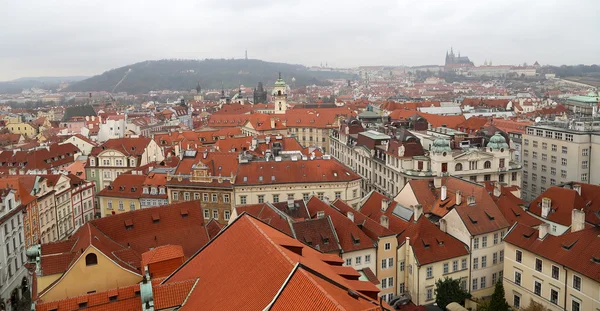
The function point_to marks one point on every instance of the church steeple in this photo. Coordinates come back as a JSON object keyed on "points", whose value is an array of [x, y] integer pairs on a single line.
{"points": [[198, 88]]}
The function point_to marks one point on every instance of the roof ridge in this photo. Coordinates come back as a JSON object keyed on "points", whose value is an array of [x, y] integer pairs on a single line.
{"points": [[268, 238]]}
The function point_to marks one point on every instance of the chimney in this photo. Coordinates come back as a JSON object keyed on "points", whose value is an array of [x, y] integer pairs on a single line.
{"points": [[577, 188], [384, 221], [437, 182], [443, 225], [272, 123], [384, 205], [350, 216], [444, 193], [497, 189], [546, 205], [577, 220], [458, 197], [543, 230], [418, 211]]}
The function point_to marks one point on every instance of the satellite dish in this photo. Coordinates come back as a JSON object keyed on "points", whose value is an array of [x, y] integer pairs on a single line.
{"points": [[538, 119]]}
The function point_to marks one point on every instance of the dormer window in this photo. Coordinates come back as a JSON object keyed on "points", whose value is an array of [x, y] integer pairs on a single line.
{"points": [[161, 190]]}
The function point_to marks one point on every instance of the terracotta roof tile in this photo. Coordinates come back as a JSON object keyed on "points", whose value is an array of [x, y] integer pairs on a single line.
{"points": [[264, 259]]}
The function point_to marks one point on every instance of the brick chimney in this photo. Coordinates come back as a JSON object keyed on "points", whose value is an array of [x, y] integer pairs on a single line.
{"points": [[577, 220], [437, 182], [444, 193]]}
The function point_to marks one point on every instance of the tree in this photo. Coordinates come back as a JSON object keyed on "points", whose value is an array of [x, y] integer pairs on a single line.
{"points": [[534, 306], [449, 290], [498, 303]]}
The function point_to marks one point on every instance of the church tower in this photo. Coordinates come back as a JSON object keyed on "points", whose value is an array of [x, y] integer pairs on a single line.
{"points": [[279, 95]]}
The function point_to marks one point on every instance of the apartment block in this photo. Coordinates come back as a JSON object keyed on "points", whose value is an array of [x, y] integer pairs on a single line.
{"points": [[558, 152]]}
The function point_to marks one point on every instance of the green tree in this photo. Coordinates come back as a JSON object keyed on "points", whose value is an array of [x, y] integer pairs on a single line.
{"points": [[448, 290], [534, 306], [498, 303]]}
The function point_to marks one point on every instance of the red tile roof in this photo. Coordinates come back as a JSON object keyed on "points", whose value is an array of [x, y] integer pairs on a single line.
{"points": [[564, 200], [124, 186], [173, 227], [372, 208], [270, 215], [285, 172], [127, 146], [264, 258], [127, 298], [162, 253], [578, 251], [317, 233], [430, 244], [350, 236]]}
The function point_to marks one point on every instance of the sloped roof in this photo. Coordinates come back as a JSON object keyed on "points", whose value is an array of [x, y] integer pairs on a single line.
{"points": [[564, 200], [283, 172], [264, 260], [127, 146], [577, 250], [165, 296], [430, 244], [350, 237]]}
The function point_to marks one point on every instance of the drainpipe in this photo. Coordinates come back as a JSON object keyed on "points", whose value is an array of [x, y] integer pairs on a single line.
{"points": [[406, 256], [565, 296], [469, 281]]}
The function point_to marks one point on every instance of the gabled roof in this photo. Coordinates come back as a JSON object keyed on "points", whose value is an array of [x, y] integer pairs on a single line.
{"points": [[350, 237], [270, 215], [127, 298], [578, 251], [430, 244], [155, 226], [372, 208], [369, 226], [317, 233], [127, 146], [162, 253], [124, 186], [565, 199], [269, 267], [285, 172]]}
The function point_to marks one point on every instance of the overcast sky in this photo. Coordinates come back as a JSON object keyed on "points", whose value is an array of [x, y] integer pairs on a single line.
{"points": [[88, 37]]}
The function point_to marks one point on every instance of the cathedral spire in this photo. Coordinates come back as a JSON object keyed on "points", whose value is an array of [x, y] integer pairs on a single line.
{"points": [[280, 75]]}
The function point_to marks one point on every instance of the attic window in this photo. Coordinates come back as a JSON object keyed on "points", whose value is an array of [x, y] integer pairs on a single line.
{"points": [[355, 240], [155, 218], [425, 243], [272, 178], [528, 235], [133, 189], [245, 178], [473, 221], [83, 305], [568, 246], [260, 178], [184, 213], [489, 216], [112, 298], [128, 224], [440, 242], [596, 259]]}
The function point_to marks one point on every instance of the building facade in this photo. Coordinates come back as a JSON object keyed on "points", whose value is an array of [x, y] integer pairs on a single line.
{"points": [[558, 152]]}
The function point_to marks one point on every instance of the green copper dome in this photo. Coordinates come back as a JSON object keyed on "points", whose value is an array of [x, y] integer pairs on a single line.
{"points": [[441, 145], [497, 142], [279, 82]]}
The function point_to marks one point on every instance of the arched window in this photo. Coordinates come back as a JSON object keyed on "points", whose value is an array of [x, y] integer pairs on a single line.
{"points": [[487, 164], [279, 93], [458, 167], [91, 259]]}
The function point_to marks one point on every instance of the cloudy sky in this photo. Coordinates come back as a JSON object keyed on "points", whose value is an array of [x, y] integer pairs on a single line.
{"points": [[87, 37]]}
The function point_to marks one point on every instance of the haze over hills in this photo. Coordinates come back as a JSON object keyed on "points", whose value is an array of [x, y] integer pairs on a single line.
{"points": [[211, 74], [47, 83]]}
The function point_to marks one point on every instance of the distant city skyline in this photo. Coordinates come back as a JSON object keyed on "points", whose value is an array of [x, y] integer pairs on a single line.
{"points": [[41, 38]]}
